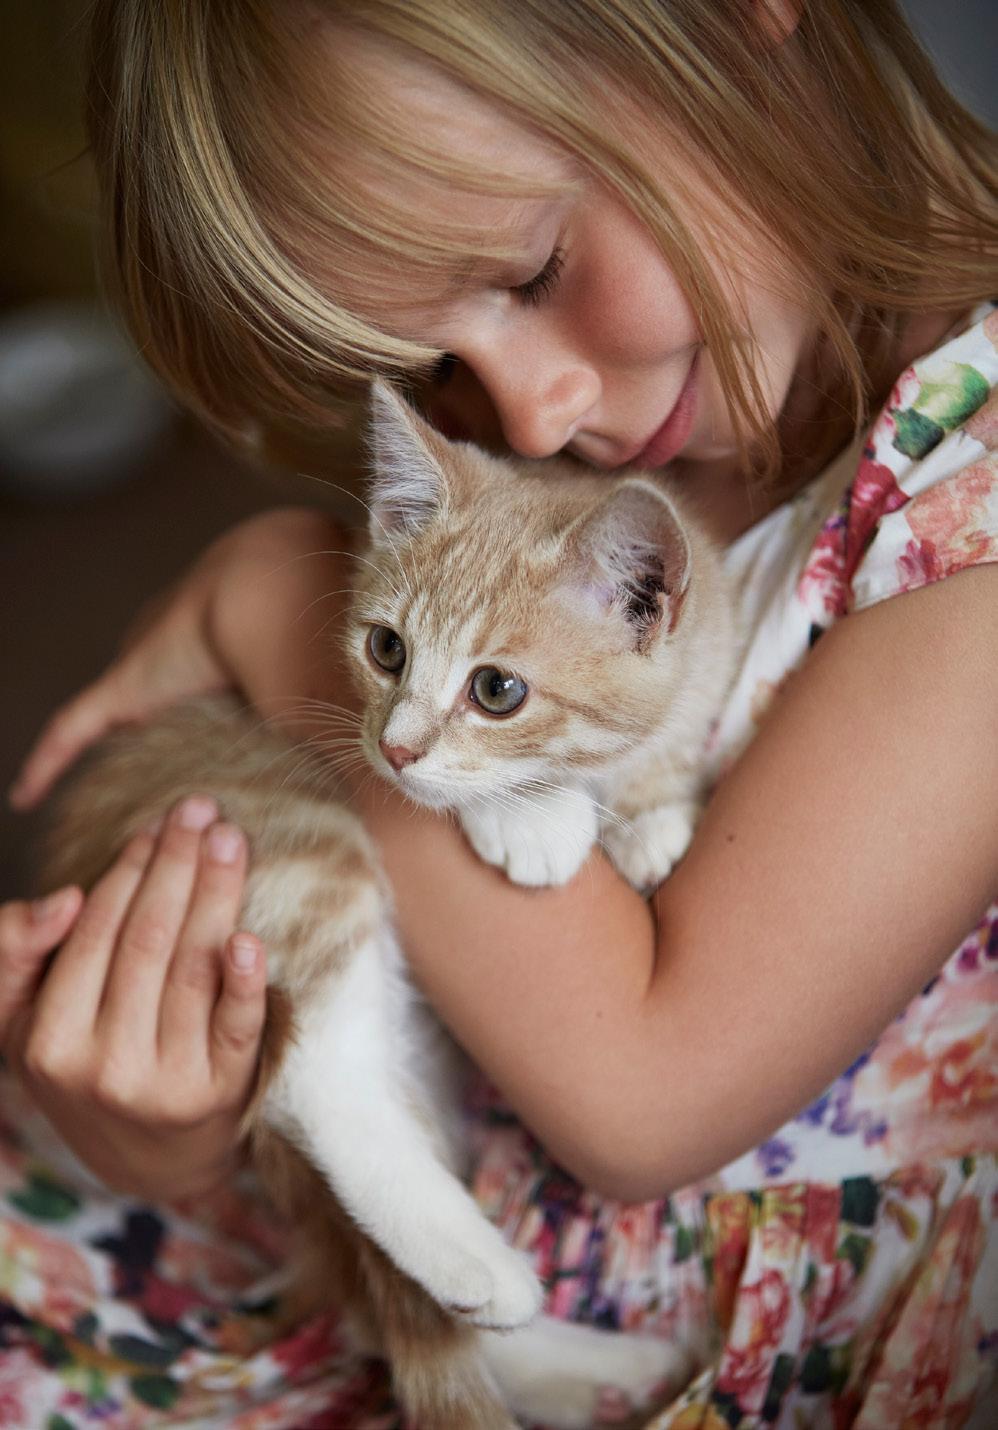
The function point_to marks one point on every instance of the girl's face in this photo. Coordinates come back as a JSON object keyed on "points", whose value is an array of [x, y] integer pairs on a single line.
{"points": [[583, 341]]}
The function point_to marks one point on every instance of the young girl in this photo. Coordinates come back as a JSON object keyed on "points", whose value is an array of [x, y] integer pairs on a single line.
{"points": [[752, 241]]}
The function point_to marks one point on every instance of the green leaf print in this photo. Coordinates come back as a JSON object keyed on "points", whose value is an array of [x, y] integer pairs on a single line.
{"points": [[159, 1391], [944, 402], [916, 435], [816, 1372], [57, 1422], [85, 1327], [855, 1248], [860, 1199], [684, 1245], [142, 1352], [825, 1368], [950, 397], [779, 1383], [727, 1406], [45, 1199]]}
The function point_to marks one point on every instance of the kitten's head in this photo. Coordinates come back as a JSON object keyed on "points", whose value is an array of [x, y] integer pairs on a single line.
{"points": [[514, 621]]}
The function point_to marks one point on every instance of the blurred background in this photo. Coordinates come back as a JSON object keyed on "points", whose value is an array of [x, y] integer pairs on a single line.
{"points": [[106, 490]]}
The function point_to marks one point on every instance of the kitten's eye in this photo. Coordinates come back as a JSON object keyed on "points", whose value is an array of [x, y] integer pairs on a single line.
{"points": [[387, 649], [496, 691]]}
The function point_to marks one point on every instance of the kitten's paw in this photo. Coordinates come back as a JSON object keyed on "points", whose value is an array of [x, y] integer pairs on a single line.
{"points": [[574, 1377], [647, 847], [516, 1294], [478, 1277], [544, 839]]}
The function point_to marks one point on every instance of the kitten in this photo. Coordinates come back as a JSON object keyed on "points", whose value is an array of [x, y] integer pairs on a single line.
{"points": [[542, 652]]}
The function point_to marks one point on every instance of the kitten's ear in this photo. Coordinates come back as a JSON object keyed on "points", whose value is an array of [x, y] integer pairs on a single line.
{"points": [[407, 486], [633, 556]]}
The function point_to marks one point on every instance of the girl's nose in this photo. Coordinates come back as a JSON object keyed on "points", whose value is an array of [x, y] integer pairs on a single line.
{"points": [[540, 402], [539, 421]]}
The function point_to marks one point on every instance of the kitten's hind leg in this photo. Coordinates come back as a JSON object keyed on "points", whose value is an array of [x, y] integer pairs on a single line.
{"points": [[555, 1372], [342, 1095]]}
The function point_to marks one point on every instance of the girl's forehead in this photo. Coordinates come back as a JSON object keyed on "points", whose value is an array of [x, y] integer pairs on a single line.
{"points": [[448, 166]]}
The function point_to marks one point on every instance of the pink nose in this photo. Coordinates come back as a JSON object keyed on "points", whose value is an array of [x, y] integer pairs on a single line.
{"points": [[398, 756]]}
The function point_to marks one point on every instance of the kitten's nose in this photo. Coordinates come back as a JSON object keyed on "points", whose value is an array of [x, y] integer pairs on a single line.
{"points": [[398, 756]]}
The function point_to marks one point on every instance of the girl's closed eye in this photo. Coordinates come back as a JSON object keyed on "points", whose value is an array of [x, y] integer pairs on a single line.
{"points": [[543, 284]]}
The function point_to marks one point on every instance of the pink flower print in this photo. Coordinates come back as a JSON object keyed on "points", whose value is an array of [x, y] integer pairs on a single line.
{"points": [[954, 515], [824, 586], [302, 1353], [19, 1372], [982, 425], [821, 588], [991, 327], [46, 1276], [903, 394], [760, 1316], [822, 1221], [925, 1355], [728, 1219], [961, 1076], [875, 493], [919, 565]]}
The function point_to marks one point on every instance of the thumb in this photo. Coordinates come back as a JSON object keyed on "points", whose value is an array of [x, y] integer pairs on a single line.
{"points": [[28, 934]]}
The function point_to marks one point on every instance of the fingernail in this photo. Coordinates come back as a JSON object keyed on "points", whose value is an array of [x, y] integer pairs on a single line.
{"points": [[44, 909], [225, 843], [243, 952], [197, 812]]}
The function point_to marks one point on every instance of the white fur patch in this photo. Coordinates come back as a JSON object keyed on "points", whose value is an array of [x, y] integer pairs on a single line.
{"points": [[343, 1094], [541, 839], [553, 1371]]}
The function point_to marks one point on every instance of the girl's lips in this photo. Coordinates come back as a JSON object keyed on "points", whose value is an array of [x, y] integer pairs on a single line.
{"points": [[671, 436]]}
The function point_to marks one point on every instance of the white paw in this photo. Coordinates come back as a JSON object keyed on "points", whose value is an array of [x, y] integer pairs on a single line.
{"points": [[469, 1270], [647, 847], [543, 840], [516, 1293], [564, 1375]]}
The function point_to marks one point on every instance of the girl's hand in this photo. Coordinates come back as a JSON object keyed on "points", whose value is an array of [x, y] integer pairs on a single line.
{"points": [[207, 633], [140, 1040]]}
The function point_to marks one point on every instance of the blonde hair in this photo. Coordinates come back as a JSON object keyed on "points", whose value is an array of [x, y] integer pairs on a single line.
{"points": [[837, 138]]}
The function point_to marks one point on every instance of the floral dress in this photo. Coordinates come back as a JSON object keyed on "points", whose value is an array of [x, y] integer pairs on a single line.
{"points": [[845, 1272]]}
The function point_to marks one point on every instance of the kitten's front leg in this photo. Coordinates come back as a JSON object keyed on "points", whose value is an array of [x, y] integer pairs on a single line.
{"points": [[655, 812], [646, 847], [540, 837]]}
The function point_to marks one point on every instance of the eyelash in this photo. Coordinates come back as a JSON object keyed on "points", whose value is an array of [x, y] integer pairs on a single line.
{"points": [[542, 285]]}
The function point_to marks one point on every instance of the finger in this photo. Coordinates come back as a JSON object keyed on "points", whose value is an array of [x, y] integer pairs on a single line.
{"points": [[237, 1024], [192, 983], [134, 989], [69, 732], [71, 993], [28, 934]]}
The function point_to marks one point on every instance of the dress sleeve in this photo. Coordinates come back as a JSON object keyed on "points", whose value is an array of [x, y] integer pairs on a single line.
{"points": [[924, 501]]}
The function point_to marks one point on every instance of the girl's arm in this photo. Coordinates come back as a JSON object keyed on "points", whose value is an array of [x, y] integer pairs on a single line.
{"points": [[835, 869]]}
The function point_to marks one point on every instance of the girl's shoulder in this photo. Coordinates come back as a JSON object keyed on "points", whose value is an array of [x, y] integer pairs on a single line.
{"points": [[915, 499], [923, 500]]}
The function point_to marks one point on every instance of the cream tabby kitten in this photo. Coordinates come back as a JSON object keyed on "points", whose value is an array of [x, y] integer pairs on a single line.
{"points": [[541, 652]]}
